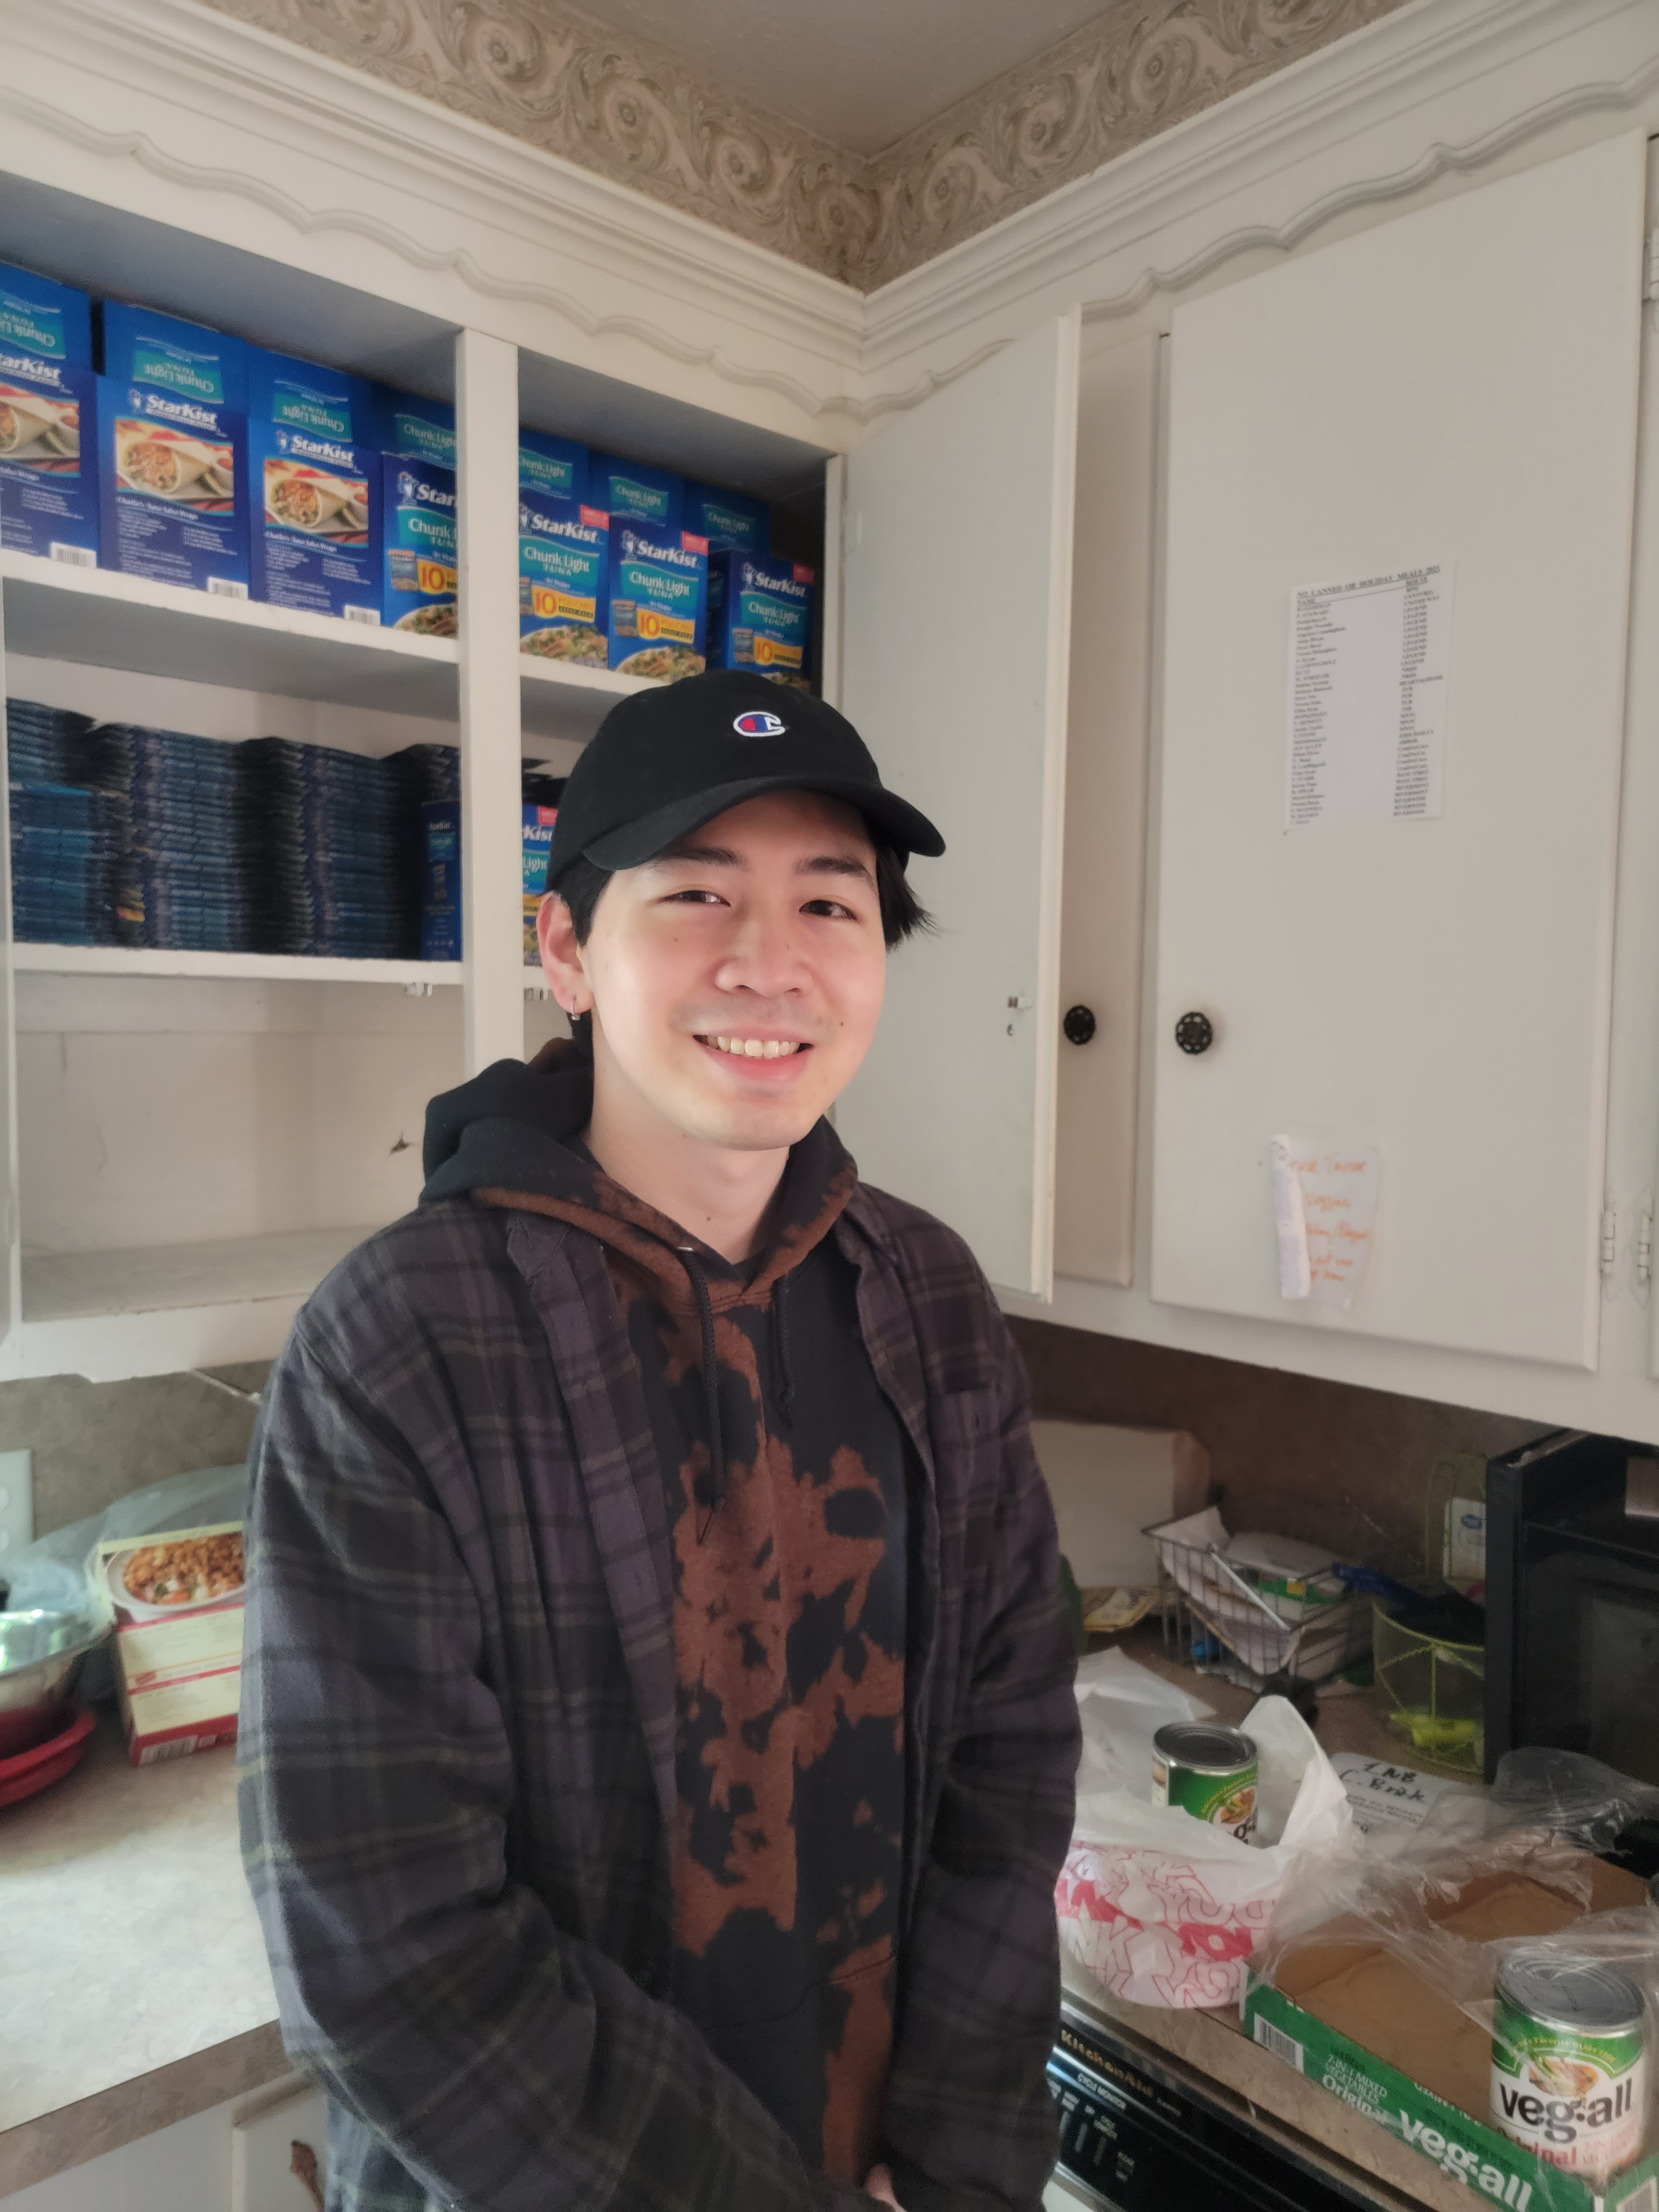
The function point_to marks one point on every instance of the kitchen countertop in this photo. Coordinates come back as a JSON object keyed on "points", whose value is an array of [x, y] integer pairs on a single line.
{"points": [[133, 1990]]}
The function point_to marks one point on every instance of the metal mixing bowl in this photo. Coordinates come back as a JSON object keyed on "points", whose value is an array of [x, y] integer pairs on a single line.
{"points": [[40, 1652]]}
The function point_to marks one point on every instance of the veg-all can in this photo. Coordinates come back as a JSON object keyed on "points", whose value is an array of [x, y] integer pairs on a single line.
{"points": [[1569, 2061], [1208, 1771]]}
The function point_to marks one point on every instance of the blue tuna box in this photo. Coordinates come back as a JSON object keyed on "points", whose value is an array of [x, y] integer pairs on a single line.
{"points": [[731, 521], [628, 491], [538, 849], [440, 880], [415, 428], [49, 464], [417, 535], [564, 558], [553, 469], [659, 600], [760, 616], [302, 395], [42, 326], [316, 538], [173, 490], [162, 354]]}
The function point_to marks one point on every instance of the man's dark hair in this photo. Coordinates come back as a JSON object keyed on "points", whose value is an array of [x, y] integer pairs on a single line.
{"points": [[903, 913]]}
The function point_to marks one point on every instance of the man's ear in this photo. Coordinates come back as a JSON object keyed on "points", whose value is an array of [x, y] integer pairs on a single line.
{"points": [[561, 956]]}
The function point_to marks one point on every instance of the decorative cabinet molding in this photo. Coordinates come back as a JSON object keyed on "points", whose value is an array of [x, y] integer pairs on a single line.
{"points": [[546, 73]]}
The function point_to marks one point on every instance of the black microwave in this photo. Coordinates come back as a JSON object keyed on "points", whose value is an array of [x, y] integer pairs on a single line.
{"points": [[1572, 1601]]}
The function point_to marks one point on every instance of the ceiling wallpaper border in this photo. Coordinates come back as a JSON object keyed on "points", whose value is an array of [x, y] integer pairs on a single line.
{"points": [[545, 73]]}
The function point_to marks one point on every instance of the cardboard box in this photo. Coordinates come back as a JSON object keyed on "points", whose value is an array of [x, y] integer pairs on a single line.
{"points": [[162, 353], [630, 491], [729, 520], [553, 471], [440, 880], [303, 395], [659, 603], [49, 503], [173, 489], [760, 616], [564, 580], [417, 538], [1351, 2014], [178, 1658], [538, 845], [43, 326], [415, 428], [315, 534]]}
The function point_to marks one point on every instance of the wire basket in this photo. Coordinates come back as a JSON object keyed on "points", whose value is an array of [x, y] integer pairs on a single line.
{"points": [[1217, 1621]]}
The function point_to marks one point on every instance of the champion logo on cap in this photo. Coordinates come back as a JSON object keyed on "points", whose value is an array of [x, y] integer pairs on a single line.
{"points": [[759, 724]]}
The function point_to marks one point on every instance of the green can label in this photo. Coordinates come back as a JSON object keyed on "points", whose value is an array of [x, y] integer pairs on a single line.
{"points": [[1576, 2100], [1224, 1800]]}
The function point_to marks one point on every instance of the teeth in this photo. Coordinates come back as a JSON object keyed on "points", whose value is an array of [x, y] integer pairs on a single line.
{"points": [[755, 1048]]}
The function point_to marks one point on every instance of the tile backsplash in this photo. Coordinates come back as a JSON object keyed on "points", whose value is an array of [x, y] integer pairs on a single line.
{"points": [[1268, 1433]]}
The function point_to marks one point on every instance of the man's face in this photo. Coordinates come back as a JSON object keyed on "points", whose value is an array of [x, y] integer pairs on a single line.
{"points": [[737, 979]]}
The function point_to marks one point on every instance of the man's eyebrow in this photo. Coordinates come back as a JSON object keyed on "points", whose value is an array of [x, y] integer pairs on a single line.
{"points": [[702, 856], [722, 856], [836, 863]]}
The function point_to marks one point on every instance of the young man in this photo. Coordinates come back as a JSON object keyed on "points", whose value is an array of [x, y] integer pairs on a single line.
{"points": [[658, 1722]]}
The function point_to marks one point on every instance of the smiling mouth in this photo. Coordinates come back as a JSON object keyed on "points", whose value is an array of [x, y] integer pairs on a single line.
{"points": [[754, 1047]]}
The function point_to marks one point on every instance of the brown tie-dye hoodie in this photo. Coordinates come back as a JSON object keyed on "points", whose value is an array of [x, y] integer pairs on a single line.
{"points": [[786, 1479]]}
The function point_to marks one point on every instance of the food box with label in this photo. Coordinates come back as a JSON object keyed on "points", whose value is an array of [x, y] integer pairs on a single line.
{"points": [[163, 354], [1354, 2015], [304, 395], [729, 520], [48, 434], [631, 491], [172, 488], [564, 556], [538, 823], [417, 535], [760, 616], [658, 602], [316, 525], [440, 880], [178, 1601], [553, 469], [415, 427]]}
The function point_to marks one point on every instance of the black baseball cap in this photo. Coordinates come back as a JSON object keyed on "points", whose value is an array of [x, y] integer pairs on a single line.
{"points": [[666, 761]]}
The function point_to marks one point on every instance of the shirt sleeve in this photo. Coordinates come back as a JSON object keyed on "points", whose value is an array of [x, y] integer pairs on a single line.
{"points": [[508, 2066], [969, 2120]]}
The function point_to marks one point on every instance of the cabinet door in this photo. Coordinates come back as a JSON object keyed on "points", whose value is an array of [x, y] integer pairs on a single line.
{"points": [[956, 625], [11, 1249], [1457, 385]]}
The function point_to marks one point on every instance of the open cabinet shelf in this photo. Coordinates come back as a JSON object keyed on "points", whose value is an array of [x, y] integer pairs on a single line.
{"points": [[226, 966]]}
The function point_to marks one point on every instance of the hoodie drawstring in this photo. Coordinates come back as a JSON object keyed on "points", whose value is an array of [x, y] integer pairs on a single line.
{"points": [[711, 1393], [780, 1344]]}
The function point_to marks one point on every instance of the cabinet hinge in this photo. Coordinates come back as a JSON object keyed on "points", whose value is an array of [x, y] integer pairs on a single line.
{"points": [[1609, 1244], [1643, 1269]]}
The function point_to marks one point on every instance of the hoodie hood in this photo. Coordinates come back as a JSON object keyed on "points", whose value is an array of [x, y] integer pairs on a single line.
{"points": [[507, 1139]]}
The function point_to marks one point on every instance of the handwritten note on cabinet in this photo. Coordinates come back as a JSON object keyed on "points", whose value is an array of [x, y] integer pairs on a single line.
{"points": [[1368, 697], [1325, 1213]]}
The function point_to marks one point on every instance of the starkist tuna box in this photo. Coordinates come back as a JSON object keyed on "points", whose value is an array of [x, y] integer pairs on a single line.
{"points": [[417, 534], [48, 439], [760, 616], [173, 489], [316, 531], [659, 598], [564, 557]]}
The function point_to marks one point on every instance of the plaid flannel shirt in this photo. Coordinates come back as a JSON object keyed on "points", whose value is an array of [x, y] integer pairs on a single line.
{"points": [[458, 1740]]}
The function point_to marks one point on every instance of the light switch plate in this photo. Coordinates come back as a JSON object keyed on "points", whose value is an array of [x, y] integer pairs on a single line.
{"points": [[17, 1503]]}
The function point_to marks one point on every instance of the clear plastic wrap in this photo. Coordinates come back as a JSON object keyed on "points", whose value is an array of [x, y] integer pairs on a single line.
{"points": [[1508, 1884]]}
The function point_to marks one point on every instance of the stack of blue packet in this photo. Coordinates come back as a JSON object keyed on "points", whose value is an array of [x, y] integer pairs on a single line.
{"points": [[321, 829], [66, 844], [44, 744], [183, 886], [423, 775]]}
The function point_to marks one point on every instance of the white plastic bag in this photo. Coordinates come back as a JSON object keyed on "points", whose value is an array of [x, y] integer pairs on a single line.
{"points": [[1165, 1909]]}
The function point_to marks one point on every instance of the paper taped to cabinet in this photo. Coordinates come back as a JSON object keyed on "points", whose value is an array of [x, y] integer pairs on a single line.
{"points": [[1325, 1189]]}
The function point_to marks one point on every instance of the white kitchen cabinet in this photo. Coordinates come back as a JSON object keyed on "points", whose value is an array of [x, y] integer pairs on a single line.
{"points": [[1456, 385], [957, 601]]}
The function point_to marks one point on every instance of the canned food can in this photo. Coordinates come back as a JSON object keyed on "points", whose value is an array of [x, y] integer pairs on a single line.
{"points": [[1570, 2061], [1208, 1771]]}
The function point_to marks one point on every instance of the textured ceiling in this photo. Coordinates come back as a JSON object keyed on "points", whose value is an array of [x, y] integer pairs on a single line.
{"points": [[860, 73]]}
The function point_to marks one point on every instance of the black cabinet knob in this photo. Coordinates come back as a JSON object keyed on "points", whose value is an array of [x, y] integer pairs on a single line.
{"points": [[1194, 1033], [1078, 1025]]}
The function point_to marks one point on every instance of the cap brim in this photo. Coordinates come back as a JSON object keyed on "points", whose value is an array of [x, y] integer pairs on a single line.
{"points": [[638, 842]]}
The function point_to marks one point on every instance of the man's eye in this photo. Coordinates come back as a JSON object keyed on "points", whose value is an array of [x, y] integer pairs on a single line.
{"points": [[833, 907], [695, 898]]}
